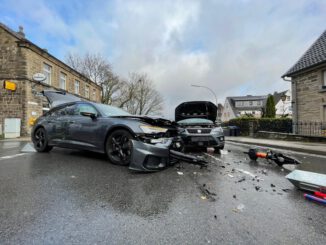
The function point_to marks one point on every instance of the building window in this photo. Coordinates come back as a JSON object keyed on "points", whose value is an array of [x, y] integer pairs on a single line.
{"points": [[76, 87], [94, 94], [63, 78], [47, 69], [87, 91], [324, 79], [250, 103], [258, 102]]}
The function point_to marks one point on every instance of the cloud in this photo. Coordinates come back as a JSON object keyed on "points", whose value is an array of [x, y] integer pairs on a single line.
{"points": [[233, 47]]}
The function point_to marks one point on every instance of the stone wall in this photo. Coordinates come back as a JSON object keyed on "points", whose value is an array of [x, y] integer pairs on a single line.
{"points": [[310, 97], [35, 62], [19, 60]]}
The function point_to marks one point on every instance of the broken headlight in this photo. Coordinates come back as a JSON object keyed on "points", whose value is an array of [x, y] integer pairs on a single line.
{"points": [[148, 129]]}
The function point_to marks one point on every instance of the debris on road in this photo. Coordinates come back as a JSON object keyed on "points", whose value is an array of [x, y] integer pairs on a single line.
{"points": [[272, 185], [207, 193], [234, 196], [278, 158], [239, 208], [223, 152], [315, 199], [242, 179], [257, 188], [180, 173], [305, 180], [230, 175]]}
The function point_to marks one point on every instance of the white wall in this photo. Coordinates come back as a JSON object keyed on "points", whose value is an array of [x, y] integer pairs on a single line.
{"points": [[283, 108]]}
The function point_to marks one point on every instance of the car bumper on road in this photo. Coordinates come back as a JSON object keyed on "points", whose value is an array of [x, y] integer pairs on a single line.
{"points": [[149, 157]]}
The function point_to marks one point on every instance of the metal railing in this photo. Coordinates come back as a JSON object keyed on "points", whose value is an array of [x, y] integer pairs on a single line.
{"points": [[309, 128]]}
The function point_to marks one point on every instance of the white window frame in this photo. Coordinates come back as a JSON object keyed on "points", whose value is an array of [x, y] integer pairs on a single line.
{"points": [[47, 71], [63, 81], [77, 87], [87, 91], [94, 94]]}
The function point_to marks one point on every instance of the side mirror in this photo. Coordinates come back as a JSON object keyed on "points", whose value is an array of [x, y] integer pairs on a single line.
{"points": [[88, 114]]}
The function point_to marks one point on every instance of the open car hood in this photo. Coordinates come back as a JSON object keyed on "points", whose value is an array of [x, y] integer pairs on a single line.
{"points": [[56, 98], [196, 109]]}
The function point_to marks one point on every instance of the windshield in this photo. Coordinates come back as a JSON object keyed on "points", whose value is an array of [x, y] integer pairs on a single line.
{"points": [[195, 121], [108, 110]]}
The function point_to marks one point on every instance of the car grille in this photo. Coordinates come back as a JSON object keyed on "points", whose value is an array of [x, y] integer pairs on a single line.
{"points": [[199, 130]]}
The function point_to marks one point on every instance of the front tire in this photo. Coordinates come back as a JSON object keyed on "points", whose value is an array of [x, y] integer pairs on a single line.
{"points": [[119, 147], [217, 149], [40, 141]]}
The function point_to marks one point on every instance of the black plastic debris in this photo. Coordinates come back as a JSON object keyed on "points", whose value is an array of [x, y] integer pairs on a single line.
{"points": [[242, 179], [272, 185], [286, 190], [257, 188], [234, 196], [207, 194]]}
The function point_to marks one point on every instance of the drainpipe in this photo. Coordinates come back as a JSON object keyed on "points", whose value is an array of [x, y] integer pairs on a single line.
{"points": [[294, 105]]}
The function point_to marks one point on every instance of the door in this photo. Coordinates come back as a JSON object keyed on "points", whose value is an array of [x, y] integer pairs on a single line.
{"points": [[82, 130]]}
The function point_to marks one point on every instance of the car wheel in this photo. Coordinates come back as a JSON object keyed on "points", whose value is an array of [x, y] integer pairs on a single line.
{"points": [[217, 149], [119, 147], [40, 141]]}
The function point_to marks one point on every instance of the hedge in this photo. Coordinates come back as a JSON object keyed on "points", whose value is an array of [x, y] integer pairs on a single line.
{"points": [[282, 125]]}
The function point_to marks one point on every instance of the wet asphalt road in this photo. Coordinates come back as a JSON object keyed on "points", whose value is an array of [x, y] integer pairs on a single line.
{"points": [[75, 197]]}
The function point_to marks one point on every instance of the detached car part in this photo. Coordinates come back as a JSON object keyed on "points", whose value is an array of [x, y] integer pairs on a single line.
{"points": [[278, 158], [149, 157], [305, 180]]}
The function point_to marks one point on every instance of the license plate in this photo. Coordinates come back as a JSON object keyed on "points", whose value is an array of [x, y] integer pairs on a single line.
{"points": [[197, 139]]}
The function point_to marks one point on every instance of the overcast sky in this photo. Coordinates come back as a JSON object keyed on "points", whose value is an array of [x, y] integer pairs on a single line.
{"points": [[234, 47]]}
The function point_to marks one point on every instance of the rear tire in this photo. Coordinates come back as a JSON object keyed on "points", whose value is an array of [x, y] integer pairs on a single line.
{"points": [[40, 140], [119, 147]]}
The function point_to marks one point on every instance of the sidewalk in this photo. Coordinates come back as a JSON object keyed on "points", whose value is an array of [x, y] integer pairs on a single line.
{"points": [[22, 139], [314, 148]]}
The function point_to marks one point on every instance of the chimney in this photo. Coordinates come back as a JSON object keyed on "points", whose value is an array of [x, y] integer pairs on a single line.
{"points": [[21, 31]]}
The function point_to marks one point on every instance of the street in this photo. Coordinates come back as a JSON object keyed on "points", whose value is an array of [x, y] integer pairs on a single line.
{"points": [[77, 197]]}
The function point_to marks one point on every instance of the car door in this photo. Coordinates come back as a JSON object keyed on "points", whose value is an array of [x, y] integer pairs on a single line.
{"points": [[57, 126], [82, 129]]}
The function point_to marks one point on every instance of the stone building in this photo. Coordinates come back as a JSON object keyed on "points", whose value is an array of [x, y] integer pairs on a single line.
{"points": [[20, 59], [308, 79]]}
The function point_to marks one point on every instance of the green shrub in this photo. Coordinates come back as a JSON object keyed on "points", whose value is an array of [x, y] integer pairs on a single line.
{"points": [[282, 125]]}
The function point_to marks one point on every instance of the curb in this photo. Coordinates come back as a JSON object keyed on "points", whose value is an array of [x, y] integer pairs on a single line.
{"points": [[298, 149], [22, 139]]}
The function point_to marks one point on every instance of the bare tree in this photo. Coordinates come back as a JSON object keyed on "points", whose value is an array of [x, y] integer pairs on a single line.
{"points": [[136, 94], [141, 97], [98, 69]]}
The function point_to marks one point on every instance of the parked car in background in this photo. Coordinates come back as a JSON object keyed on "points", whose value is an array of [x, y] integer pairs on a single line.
{"points": [[197, 125]]}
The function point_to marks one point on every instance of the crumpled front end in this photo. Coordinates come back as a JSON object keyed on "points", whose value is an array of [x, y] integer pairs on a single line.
{"points": [[149, 157]]}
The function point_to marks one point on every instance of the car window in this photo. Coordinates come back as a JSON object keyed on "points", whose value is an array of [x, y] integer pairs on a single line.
{"points": [[84, 108]]}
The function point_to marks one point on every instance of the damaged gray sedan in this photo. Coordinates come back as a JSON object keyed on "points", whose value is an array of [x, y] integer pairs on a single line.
{"points": [[140, 142]]}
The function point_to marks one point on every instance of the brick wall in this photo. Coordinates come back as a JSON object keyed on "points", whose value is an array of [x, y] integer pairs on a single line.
{"points": [[310, 98]]}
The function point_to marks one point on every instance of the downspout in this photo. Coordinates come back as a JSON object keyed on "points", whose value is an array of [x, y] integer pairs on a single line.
{"points": [[294, 105]]}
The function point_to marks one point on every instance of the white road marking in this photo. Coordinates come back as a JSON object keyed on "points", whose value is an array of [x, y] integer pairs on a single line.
{"points": [[12, 156], [215, 158]]}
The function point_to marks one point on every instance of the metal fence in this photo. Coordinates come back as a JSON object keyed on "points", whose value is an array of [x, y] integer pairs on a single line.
{"points": [[309, 128]]}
